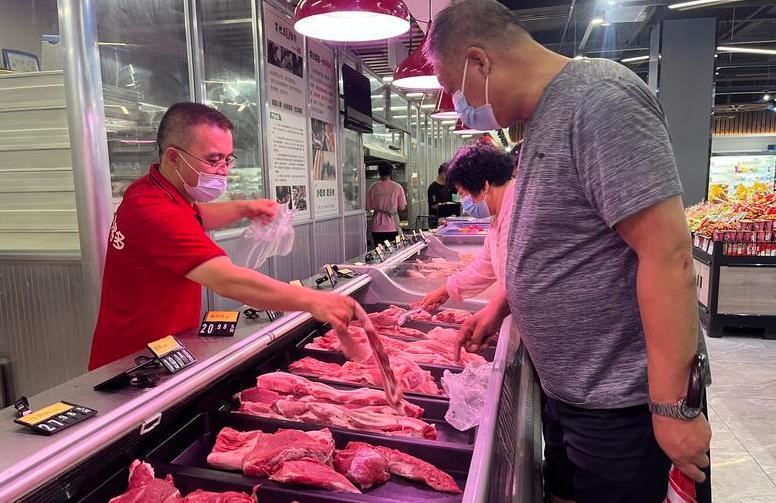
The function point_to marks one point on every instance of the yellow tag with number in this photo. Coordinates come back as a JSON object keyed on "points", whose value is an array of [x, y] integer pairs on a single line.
{"points": [[164, 346], [295, 282], [222, 316], [45, 413]]}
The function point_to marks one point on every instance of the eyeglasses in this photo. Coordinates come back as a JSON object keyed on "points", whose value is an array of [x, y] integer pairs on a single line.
{"points": [[228, 163]]}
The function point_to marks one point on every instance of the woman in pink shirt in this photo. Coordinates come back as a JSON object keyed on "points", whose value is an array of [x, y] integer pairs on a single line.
{"points": [[386, 198], [485, 173]]}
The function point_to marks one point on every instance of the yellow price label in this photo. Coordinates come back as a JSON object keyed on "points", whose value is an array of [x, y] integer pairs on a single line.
{"points": [[45, 413], [164, 346], [346, 271], [222, 316], [295, 282]]}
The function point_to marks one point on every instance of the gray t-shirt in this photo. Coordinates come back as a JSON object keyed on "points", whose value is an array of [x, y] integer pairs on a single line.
{"points": [[596, 152]]}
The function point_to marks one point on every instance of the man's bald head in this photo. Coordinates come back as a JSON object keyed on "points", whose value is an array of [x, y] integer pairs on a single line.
{"points": [[486, 24]]}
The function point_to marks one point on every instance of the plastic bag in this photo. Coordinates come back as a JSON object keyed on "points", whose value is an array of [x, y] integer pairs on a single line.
{"points": [[467, 394], [681, 488], [260, 241]]}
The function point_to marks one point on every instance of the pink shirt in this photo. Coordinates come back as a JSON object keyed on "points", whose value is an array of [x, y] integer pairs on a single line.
{"points": [[490, 264], [385, 197]]}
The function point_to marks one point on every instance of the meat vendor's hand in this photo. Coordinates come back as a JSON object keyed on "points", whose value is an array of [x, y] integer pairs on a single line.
{"points": [[476, 331], [435, 299], [263, 210], [332, 308]]}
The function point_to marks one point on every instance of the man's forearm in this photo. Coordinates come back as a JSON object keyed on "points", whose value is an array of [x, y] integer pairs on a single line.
{"points": [[262, 292], [218, 215], [669, 313]]}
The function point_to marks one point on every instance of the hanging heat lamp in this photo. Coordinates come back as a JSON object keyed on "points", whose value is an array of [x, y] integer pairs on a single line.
{"points": [[461, 128], [444, 107], [351, 20], [417, 72]]}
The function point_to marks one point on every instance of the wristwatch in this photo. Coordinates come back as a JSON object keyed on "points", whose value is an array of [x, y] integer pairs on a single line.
{"points": [[678, 410], [690, 406]]}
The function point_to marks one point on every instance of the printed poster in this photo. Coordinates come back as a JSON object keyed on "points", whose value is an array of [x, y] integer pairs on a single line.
{"points": [[323, 132], [288, 170]]}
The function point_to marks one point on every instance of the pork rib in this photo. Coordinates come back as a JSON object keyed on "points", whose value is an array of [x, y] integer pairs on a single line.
{"points": [[145, 488], [287, 445], [411, 377], [312, 473]]}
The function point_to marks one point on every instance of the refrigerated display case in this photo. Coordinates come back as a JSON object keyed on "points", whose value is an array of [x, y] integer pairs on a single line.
{"points": [[172, 425]]}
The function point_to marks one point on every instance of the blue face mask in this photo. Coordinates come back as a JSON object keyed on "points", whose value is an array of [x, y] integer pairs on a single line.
{"points": [[474, 209], [481, 118]]}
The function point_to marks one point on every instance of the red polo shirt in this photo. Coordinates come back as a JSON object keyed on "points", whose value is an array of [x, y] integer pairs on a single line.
{"points": [[155, 240]]}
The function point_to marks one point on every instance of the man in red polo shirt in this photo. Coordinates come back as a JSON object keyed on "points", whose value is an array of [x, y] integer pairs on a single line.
{"points": [[159, 254]]}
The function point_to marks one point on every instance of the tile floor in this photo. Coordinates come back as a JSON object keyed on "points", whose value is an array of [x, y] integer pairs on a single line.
{"points": [[742, 412]]}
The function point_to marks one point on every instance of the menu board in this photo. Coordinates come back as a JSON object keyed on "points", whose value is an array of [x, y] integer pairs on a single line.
{"points": [[323, 119], [732, 176], [288, 172]]}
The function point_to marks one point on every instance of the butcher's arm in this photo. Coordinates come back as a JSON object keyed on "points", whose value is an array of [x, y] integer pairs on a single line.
{"points": [[474, 278], [258, 290], [221, 214]]}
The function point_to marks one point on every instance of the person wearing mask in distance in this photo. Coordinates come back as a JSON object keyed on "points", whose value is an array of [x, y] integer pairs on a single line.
{"points": [[159, 254], [599, 277], [473, 208], [387, 199], [438, 191], [484, 173]]}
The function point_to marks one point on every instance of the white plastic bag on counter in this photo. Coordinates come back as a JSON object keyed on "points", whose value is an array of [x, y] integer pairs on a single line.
{"points": [[260, 241], [467, 391]]}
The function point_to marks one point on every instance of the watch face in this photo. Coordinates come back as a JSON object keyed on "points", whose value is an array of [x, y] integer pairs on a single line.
{"points": [[688, 412]]}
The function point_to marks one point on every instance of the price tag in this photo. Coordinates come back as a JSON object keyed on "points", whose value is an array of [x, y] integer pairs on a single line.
{"points": [[56, 417], [219, 323], [423, 236], [173, 355], [274, 315], [296, 282], [399, 241], [380, 254], [344, 272], [380, 248], [331, 275], [388, 245]]}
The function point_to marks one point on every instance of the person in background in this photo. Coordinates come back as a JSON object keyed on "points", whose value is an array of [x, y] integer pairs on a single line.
{"points": [[473, 208], [599, 278], [438, 191], [159, 254], [485, 174], [387, 199]]}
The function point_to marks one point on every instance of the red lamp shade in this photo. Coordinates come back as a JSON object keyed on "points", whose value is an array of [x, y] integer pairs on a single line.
{"points": [[351, 20], [416, 72], [461, 128], [444, 107]]}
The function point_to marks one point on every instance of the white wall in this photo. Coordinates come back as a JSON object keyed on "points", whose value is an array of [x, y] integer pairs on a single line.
{"points": [[22, 22], [721, 144]]}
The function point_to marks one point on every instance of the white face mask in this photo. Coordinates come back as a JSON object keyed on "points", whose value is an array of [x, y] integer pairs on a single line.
{"points": [[481, 118], [209, 186]]}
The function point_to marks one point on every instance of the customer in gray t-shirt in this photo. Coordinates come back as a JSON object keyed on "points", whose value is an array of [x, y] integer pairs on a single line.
{"points": [[600, 280]]}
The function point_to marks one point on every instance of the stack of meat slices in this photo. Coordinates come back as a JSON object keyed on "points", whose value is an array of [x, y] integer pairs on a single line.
{"points": [[145, 488], [310, 458], [409, 375], [279, 395], [452, 316]]}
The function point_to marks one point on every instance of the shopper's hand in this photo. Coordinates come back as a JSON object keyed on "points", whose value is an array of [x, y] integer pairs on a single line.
{"points": [[685, 443], [263, 210], [477, 330], [332, 308], [435, 299]]}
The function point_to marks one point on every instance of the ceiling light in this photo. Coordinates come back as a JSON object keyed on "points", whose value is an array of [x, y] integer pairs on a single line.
{"points": [[634, 59], [747, 50], [461, 128], [578, 56], [694, 4], [766, 97], [606, 24], [351, 20], [444, 107], [597, 21], [416, 95], [416, 72]]}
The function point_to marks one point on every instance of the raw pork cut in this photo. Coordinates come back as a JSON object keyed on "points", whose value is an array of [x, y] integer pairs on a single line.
{"points": [[428, 351], [145, 488], [367, 465], [200, 496], [287, 445], [231, 447], [298, 386], [362, 464], [453, 316], [366, 418], [312, 473], [411, 377]]}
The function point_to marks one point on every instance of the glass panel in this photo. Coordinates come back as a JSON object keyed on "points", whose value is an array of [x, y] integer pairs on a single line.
{"points": [[230, 86], [378, 97], [144, 71], [352, 170], [399, 110]]}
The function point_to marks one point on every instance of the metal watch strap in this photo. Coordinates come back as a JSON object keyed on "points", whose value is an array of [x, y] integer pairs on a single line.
{"points": [[678, 410]]}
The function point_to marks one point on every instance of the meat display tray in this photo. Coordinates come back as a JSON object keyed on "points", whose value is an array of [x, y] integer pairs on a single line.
{"points": [[184, 456]]}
